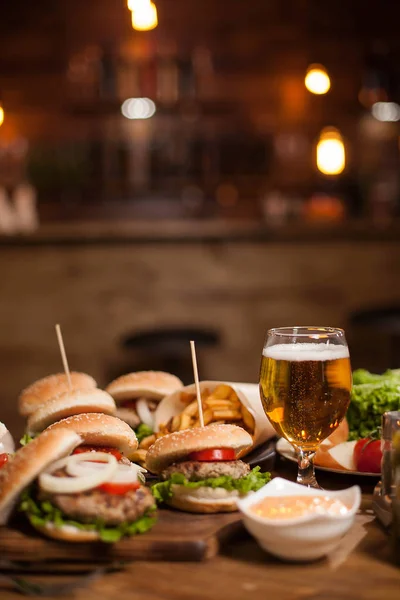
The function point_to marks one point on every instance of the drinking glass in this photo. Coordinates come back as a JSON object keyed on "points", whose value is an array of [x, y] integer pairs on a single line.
{"points": [[305, 384]]}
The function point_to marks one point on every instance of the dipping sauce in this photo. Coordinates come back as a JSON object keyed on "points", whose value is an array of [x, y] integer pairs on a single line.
{"points": [[292, 507]]}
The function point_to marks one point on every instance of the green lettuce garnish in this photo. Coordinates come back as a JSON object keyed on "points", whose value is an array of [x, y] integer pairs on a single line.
{"points": [[361, 376], [143, 431], [368, 403], [26, 438], [249, 483], [41, 512]]}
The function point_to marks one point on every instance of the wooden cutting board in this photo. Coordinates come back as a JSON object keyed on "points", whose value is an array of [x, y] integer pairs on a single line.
{"points": [[176, 536]]}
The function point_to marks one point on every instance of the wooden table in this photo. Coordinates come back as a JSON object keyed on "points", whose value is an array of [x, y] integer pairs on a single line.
{"points": [[243, 570]]}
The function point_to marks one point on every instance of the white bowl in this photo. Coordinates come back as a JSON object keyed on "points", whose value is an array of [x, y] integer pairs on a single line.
{"points": [[305, 538]]}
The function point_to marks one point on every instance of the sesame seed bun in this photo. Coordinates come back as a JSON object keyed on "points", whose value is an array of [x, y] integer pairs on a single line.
{"points": [[28, 462], [152, 384], [68, 404], [176, 446], [97, 429], [188, 502], [44, 389], [67, 533]]}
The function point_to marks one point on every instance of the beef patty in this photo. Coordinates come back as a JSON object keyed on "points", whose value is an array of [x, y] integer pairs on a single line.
{"points": [[196, 470], [94, 504]]}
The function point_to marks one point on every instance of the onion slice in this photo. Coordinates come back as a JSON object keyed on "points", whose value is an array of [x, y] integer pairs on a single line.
{"points": [[6, 440], [128, 474], [88, 481], [144, 413]]}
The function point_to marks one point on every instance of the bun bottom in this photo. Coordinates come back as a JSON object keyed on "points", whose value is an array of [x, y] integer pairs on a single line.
{"points": [[67, 533], [196, 505]]}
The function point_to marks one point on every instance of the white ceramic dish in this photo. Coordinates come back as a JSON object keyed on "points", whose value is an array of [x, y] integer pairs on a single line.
{"points": [[285, 449], [305, 538]]}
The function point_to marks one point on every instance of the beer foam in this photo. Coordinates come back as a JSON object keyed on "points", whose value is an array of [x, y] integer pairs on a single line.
{"points": [[307, 351]]}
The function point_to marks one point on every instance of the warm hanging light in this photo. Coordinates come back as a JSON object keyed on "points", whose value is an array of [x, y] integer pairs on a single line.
{"points": [[317, 79], [331, 156], [1, 115], [137, 4], [144, 16]]}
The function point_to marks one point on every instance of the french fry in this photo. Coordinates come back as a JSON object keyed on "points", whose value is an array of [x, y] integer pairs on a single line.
{"points": [[222, 391], [248, 419], [176, 421], [233, 396], [191, 410], [205, 393], [187, 397], [139, 456], [220, 404], [207, 416], [186, 421], [228, 415], [147, 442]]}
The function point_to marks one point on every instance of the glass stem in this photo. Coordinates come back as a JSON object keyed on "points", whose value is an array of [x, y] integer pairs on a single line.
{"points": [[306, 474]]}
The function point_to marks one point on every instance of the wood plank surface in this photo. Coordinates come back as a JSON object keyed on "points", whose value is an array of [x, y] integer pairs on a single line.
{"points": [[361, 569], [175, 537]]}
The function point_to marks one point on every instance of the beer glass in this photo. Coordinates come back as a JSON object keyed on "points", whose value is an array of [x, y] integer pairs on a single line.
{"points": [[305, 384]]}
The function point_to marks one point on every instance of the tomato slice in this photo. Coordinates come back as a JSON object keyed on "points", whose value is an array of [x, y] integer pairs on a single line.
{"points": [[369, 457], [118, 489], [108, 449], [214, 454], [129, 404], [3, 459]]}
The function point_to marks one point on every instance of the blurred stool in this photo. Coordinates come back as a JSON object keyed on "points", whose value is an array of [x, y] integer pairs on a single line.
{"points": [[168, 350], [384, 321]]}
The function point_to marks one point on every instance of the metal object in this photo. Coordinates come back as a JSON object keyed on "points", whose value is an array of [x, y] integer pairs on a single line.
{"points": [[385, 490]]}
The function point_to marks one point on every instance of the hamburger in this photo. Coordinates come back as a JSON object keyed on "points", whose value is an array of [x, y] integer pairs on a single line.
{"points": [[137, 396], [200, 471], [65, 405], [89, 496], [100, 432], [47, 388]]}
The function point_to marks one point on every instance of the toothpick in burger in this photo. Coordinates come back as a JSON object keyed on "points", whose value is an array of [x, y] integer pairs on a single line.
{"points": [[200, 470], [89, 496]]}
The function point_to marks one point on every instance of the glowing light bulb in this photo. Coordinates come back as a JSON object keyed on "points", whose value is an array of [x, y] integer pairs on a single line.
{"points": [[317, 80], [1, 115], [144, 16], [331, 155], [138, 108], [137, 4]]}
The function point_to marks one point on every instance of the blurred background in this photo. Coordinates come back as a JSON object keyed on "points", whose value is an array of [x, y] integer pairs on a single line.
{"points": [[198, 169]]}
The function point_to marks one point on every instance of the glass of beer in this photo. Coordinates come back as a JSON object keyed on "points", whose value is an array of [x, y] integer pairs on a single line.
{"points": [[305, 384]]}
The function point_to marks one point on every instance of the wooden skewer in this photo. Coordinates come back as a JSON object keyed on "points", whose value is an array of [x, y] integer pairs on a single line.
{"points": [[63, 356], [196, 380]]}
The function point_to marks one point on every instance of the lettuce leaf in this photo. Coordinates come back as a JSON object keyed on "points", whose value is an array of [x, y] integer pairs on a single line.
{"points": [[41, 512], [368, 403], [143, 431], [26, 438], [361, 376], [249, 483]]}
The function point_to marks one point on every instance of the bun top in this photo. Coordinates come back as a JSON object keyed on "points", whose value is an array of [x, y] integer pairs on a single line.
{"points": [[68, 404], [176, 446], [28, 462], [44, 389], [97, 429], [152, 384]]}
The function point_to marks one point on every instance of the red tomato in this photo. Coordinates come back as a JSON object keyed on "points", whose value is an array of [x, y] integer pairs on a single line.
{"points": [[107, 449], [118, 489], [214, 454], [359, 448], [369, 457], [3, 460], [129, 404]]}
